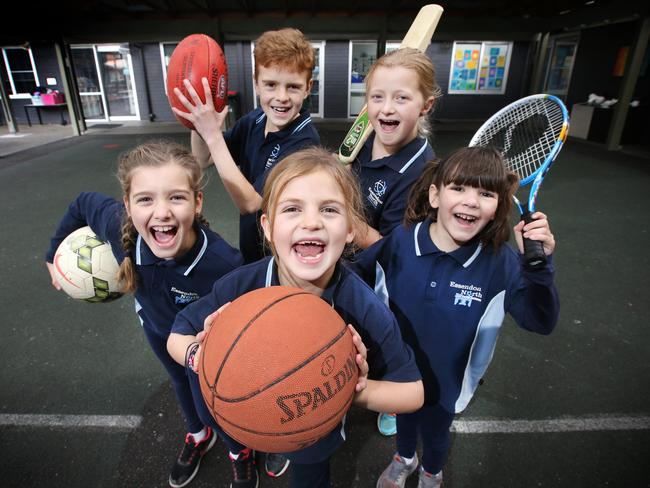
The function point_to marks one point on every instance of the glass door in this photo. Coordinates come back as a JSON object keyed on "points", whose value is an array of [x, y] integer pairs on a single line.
{"points": [[105, 80], [117, 79], [85, 67]]}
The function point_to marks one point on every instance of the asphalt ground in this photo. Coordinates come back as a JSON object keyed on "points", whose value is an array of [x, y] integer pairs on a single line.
{"points": [[84, 402]]}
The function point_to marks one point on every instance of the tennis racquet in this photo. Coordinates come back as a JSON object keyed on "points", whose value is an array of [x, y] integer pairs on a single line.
{"points": [[530, 132]]}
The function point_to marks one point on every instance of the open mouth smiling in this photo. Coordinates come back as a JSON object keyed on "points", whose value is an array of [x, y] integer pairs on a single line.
{"points": [[466, 218], [163, 234], [309, 249]]}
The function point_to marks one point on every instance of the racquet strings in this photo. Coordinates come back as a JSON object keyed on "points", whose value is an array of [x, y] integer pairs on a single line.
{"points": [[526, 133]]}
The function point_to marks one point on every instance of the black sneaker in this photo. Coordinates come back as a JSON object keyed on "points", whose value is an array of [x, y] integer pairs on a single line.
{"points": [[244, 471], [187, 464], [275, 464]]}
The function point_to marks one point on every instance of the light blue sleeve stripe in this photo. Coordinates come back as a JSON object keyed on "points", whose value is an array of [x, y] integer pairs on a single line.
{"points": [[138, 307], [482, 349], [381, 290], [269, 273], [138, 258]]}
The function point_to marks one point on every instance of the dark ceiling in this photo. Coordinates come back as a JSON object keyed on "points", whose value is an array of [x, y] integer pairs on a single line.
{"points": [[121, 20]]}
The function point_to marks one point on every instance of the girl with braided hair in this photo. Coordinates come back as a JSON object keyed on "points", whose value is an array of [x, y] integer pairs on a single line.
{"points": [[168, 258]]}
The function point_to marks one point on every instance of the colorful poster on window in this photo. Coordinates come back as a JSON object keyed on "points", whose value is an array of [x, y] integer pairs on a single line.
{"points": [[494, 64], [479, 67], [464, 67]]}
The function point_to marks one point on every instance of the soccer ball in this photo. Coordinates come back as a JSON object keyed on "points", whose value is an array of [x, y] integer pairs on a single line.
{"points": [[86, 268]]}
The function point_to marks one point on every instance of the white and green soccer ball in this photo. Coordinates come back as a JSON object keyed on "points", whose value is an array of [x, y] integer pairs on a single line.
{"points": [[86, 268]]}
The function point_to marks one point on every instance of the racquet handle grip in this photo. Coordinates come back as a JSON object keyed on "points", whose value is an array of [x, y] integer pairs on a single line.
{"points": [[533, 250]]}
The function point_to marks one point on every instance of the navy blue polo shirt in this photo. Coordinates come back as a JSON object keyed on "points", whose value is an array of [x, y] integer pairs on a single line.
{"points": [[450, 306], [389, 358], [385, 183], [165, 286], [256, 153]]}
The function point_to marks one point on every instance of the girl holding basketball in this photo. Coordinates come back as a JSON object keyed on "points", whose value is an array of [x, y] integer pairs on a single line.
{"points": [[311, 212], [463, 279], [401, 90], [168, 258]]}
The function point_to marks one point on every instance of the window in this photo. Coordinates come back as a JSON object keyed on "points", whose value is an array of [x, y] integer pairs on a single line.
{"points": [[362, 56], [166, 50], [315, 99], [22, 78], [479, 68], [560, 67], [314, 102]]}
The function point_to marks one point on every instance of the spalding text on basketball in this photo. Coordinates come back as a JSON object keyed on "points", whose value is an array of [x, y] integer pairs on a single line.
{"points": [[295, 405]]}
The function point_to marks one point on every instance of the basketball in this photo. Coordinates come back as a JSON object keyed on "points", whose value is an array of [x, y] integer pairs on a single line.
{"points": [[197, 56], [277, 369]]}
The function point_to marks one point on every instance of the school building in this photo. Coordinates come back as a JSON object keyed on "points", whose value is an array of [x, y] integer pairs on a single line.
{"points": [[109, 58]]}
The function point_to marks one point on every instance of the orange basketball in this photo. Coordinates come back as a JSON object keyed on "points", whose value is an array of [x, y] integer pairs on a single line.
{"points": [[278, 369], [197, 56]]}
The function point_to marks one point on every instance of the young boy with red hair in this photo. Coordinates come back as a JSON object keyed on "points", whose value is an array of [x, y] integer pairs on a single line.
{"points": [[243, 156]]}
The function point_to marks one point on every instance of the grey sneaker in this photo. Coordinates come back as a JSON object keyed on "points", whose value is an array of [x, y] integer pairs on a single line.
{"points": [[394, 476], [428, 480]]}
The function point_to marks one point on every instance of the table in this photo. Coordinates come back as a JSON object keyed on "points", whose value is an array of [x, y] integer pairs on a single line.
{"points": [[61, 107]]}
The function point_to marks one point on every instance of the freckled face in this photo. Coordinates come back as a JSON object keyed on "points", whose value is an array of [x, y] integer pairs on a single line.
{"points": [[281, 94]]}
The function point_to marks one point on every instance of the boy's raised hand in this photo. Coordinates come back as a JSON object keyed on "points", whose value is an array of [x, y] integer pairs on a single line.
{"points": [[206, 120], [537, 230], [361, 359]]}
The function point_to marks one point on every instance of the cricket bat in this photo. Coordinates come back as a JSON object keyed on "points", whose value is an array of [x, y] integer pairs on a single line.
{"points": [[418, 37]]}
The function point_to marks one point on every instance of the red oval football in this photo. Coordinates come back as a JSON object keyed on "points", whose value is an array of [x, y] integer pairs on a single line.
{"points": [[197, 56]]}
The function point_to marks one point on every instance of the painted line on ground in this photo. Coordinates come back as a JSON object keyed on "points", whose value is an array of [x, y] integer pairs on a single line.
{"points": [[565, 424], [115, 422], [469, 426]]}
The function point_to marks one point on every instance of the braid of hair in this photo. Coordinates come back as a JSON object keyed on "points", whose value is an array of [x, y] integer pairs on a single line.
{"points": [[127, 276], [201, 220]]}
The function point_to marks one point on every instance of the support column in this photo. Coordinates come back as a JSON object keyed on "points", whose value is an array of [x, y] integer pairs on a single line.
{"points": [[70, 89], [632, 70], [6, 107]]}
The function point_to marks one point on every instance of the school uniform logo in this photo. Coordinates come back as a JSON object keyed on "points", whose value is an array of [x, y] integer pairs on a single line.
{"points": [[273, 157], [183, 297], [466, 294], [375, 192]]}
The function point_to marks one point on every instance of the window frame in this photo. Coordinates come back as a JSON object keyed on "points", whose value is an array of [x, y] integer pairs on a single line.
{"points": [[556, 42], [163, 60], [357, 90], [14, 94]]}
